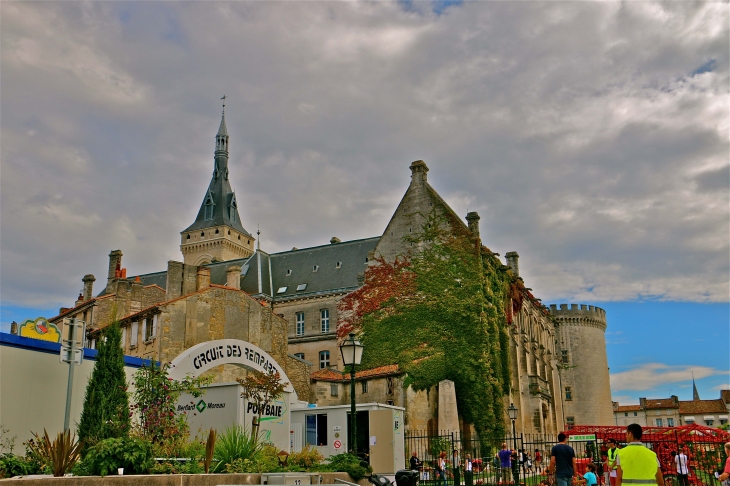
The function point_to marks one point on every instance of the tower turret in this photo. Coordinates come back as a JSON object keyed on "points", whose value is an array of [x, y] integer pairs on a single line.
{"points": [[583, 364], [217, 233]]}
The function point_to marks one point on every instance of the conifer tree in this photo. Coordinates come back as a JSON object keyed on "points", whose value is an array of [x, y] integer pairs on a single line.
{"points": [[106, 404]]}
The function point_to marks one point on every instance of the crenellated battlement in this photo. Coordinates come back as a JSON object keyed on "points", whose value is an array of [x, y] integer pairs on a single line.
{"points": [[577, 310]]}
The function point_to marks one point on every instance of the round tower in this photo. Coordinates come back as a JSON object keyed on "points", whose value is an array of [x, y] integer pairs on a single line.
{"points": [[583, 364]]}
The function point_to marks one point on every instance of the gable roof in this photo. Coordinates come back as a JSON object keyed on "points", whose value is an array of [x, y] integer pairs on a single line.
{"points": [[328, 374], [702, 406]]}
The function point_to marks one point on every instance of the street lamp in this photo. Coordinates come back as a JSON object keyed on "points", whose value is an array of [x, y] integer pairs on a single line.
{"points": [[512, 413], [351, 351]]}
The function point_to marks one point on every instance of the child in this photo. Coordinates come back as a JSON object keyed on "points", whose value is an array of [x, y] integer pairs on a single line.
{"points": [[589, 479]]}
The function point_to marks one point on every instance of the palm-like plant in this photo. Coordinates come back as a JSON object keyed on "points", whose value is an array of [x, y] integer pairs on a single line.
{"points": [[60, 454], [235, 443]]}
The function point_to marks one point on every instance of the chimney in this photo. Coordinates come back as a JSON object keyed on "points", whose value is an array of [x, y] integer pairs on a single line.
{"points": [[472, 220], [14, 328], [115, 264], [335, 240], [418, 172], [642, 403], [88, 286], [79, 300], [203, 278], [174, 284], [233, 277], [512, 258]]}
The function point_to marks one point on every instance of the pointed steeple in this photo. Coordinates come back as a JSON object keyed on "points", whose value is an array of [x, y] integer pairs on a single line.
{"points": [[695, 393], [218, 211]]}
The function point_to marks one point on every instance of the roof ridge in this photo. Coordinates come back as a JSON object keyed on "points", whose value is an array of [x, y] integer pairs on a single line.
{"points": [[327, 245]]}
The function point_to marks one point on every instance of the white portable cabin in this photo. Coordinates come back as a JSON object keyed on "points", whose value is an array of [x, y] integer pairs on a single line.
{"points": [[380, 432]]}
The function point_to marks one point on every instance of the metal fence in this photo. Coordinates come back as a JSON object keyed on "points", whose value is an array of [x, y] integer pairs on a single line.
{"points": [[705, 453]]}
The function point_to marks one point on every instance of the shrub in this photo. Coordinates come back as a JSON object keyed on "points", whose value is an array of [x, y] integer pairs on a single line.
{"points": [[177, 467], [236, 443], [133, 454], [59, 454], [306, 458], [347, 463], [12, 465], [264, 461]]}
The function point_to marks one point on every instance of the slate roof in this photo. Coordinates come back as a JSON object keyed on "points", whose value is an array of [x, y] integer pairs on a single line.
{"points": [[220, 192], [276, 267], [702, 406]]}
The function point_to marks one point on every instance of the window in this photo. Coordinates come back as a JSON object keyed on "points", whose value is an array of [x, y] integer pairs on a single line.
{"points": [[232, 208], [334, 390], [300, 323], [389, 402], [338, 265], [709, 422], [209, 205], [288, 272], [324, 359], [636, 414], [299, 355], [564, 356], [723, 421], [324, 320], [670, 422], [570, 422], [149, 328], [315, 268], [658, 412], [389, 385], [364, 386], [659, 422], [281, 290], [188, 237], [133, 337], [568, 393], [626, 414], [301, 287], [316, 429]]}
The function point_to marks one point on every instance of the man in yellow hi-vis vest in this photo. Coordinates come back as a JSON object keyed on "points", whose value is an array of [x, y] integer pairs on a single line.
{"points": [[610, 465], [636, 464]]}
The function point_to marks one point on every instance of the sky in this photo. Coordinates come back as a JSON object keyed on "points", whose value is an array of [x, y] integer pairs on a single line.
{"points": [[591, 137]]}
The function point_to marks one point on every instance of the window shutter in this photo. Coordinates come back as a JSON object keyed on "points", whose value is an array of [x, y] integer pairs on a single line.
{"points": [[133, 337], [154, 326], [124, 336], [144, 330]]}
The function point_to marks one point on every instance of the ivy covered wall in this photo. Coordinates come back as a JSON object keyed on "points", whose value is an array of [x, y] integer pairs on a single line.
{"points": [[440, 312]]}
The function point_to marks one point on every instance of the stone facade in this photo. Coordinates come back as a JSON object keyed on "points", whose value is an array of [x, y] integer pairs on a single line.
{"points": [[583, 364]]}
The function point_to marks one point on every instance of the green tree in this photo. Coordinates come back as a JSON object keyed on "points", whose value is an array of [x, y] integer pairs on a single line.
{"points": [[106, 405]]}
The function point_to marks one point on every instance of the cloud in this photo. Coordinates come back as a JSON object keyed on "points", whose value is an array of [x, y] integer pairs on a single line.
{"points": [[726, 386], [652, 375], [590, 137]]}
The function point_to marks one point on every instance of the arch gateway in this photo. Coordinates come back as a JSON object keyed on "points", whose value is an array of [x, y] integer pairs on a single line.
{"points": [[222, 405]]}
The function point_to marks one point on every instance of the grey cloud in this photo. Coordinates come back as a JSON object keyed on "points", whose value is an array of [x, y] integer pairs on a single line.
{"points": [[575, 129]]}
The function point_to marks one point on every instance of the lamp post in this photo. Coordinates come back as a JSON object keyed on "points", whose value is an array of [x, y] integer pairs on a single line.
{"points": [[351, 351], [512, 413]]}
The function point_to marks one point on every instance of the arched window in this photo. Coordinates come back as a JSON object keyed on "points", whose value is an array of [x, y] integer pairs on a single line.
{"points": [[232, 209]]}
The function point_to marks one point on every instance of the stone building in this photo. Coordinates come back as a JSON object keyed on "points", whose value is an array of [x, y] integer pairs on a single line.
{"points": [[671, 412], [286, 303]]}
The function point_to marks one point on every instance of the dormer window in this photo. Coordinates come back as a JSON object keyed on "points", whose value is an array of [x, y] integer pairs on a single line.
{"points": [[288, 272], [338, 265], [232, 207], [315, 268], [209, 206]]}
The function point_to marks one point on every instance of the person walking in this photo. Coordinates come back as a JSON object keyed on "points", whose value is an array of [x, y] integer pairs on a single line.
{"points": [[505, 461], [680, 461], [562, 461], [609, 471], [636, 463], [538, 461]]}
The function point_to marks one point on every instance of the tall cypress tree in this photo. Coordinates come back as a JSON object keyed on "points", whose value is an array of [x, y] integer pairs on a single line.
{"points": [[106, 404]]}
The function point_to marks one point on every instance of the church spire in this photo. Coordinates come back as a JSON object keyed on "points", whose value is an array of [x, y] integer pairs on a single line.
{"points": [[695, 393], [217, 233]]}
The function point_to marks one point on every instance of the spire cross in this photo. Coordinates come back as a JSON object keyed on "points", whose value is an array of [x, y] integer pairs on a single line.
{"points": [[224, 103]]}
